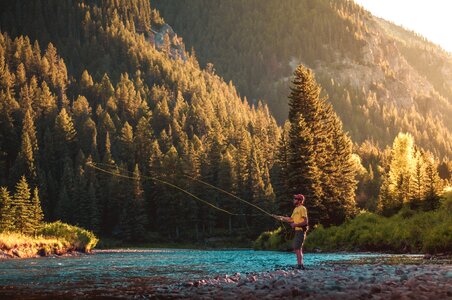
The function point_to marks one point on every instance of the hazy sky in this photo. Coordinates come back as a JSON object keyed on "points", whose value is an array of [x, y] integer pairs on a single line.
{"points": [[430, 18]]}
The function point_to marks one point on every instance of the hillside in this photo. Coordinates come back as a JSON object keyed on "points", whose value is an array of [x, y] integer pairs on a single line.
{"points": [[380, 78], [108, 83]]}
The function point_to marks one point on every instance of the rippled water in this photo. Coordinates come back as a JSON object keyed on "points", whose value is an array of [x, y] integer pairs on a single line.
{"points": [[152, 267]]}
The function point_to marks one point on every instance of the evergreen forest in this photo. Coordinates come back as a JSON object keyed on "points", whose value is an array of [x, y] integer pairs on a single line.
{"points": [[109, 123], [381, 78]]}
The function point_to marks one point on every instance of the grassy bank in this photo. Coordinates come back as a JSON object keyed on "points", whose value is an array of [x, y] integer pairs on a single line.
{"points": [[408, 231], [53, 238]]}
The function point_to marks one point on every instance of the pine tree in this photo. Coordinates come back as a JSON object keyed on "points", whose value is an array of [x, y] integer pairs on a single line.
{"points": [[140, 221], [433, 184], [23, 212], [401, 167], [81, 200], [64, 208], [304, 175], [6, 211], [397, 183], [65, 135], [25, 162], [304, 152], [417, 189], [169, 201], [343, 169], [280, 175], [132, 221], [126, 144], [37, 216], [93, 209]]}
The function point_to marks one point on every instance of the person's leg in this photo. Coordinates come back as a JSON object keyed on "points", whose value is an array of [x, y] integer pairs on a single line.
{"points": [[299, 256], [298, 245]]}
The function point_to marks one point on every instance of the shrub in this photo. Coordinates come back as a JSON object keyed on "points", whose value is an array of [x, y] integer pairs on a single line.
{"points": [[407, 231], [273, 240], [78, 238], [439, 239]]}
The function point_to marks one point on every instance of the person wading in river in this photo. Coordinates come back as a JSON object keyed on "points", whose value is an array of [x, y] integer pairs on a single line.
{"points": [[298, 221]]}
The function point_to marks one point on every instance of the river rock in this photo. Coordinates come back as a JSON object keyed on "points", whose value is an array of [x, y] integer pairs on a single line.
{"points": [[279, 282], [423, 288], [375, 289], [411, 283]]}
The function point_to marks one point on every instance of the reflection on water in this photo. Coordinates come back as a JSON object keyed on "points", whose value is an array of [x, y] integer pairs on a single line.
{"points": [[115, 269]]}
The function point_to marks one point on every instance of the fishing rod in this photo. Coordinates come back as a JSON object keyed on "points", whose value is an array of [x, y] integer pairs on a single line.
{"points": [[230, 194], [238, 198]]}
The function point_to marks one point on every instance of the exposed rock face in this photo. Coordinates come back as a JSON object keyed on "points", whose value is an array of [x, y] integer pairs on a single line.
{"points": [[176, 46], [383, 68], [381, 78]]}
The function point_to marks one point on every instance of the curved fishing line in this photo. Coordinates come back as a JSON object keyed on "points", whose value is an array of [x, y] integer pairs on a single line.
{"points": [[164, 182], [224, 191], [238, 198], [230, 194]]}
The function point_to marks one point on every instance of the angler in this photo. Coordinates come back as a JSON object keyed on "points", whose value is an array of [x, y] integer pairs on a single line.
{"points": [[299, 222]]}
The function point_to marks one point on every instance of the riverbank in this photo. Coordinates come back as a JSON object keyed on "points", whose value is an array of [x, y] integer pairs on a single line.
{"points": [[408, 231], [328, 281], [52, 239], [16, 245]]}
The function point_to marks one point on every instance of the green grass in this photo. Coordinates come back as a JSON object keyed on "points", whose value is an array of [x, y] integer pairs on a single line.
{"points": [[21, 245], [52, 238], [78, 238], [408, 231]]}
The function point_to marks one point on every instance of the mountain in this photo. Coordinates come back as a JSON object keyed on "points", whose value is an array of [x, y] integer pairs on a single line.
{"points": [[380, 78], [108, 83]]}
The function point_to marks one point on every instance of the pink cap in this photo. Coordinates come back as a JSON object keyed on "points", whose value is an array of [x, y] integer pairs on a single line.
{"points": [[299, 197]]}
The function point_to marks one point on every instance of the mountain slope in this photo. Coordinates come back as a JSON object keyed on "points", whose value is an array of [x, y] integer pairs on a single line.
{"points": [[106, 82], [380, 78]]}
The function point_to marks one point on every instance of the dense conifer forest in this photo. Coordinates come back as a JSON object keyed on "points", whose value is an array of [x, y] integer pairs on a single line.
{"points": [[380, 78], [109, 84]]}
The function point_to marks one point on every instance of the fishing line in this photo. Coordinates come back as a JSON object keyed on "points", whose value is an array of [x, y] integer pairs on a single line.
{"points": [[164, 182], [238, 198], [91, 164], [230, 194], [212, 186]]}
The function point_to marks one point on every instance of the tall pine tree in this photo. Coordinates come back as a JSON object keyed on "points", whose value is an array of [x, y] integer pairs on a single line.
{"points": [[23, 212]]}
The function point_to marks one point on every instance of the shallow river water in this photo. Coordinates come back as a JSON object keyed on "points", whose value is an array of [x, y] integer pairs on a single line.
{"points": [[122, 269]]}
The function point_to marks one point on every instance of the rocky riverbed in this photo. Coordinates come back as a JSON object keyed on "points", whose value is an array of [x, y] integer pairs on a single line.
{"points": [[197, 274], [329, 281]]}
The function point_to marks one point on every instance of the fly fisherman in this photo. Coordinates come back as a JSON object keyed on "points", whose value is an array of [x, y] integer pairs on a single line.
{"points": [[299, 221]]}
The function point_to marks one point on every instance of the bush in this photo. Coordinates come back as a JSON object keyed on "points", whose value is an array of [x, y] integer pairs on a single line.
{"points": [[78, 238], [407, 231], [273, 240], [439, 239]]}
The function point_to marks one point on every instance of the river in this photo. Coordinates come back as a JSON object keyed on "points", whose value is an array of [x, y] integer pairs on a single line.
{"points": [[106, 271]]}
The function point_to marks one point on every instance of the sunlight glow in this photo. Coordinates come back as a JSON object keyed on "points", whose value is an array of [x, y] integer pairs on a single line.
{"points": [[430, 19]]}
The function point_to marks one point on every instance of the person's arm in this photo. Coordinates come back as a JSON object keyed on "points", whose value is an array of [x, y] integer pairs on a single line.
{"points": [[283, 218], [302, 223]]}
